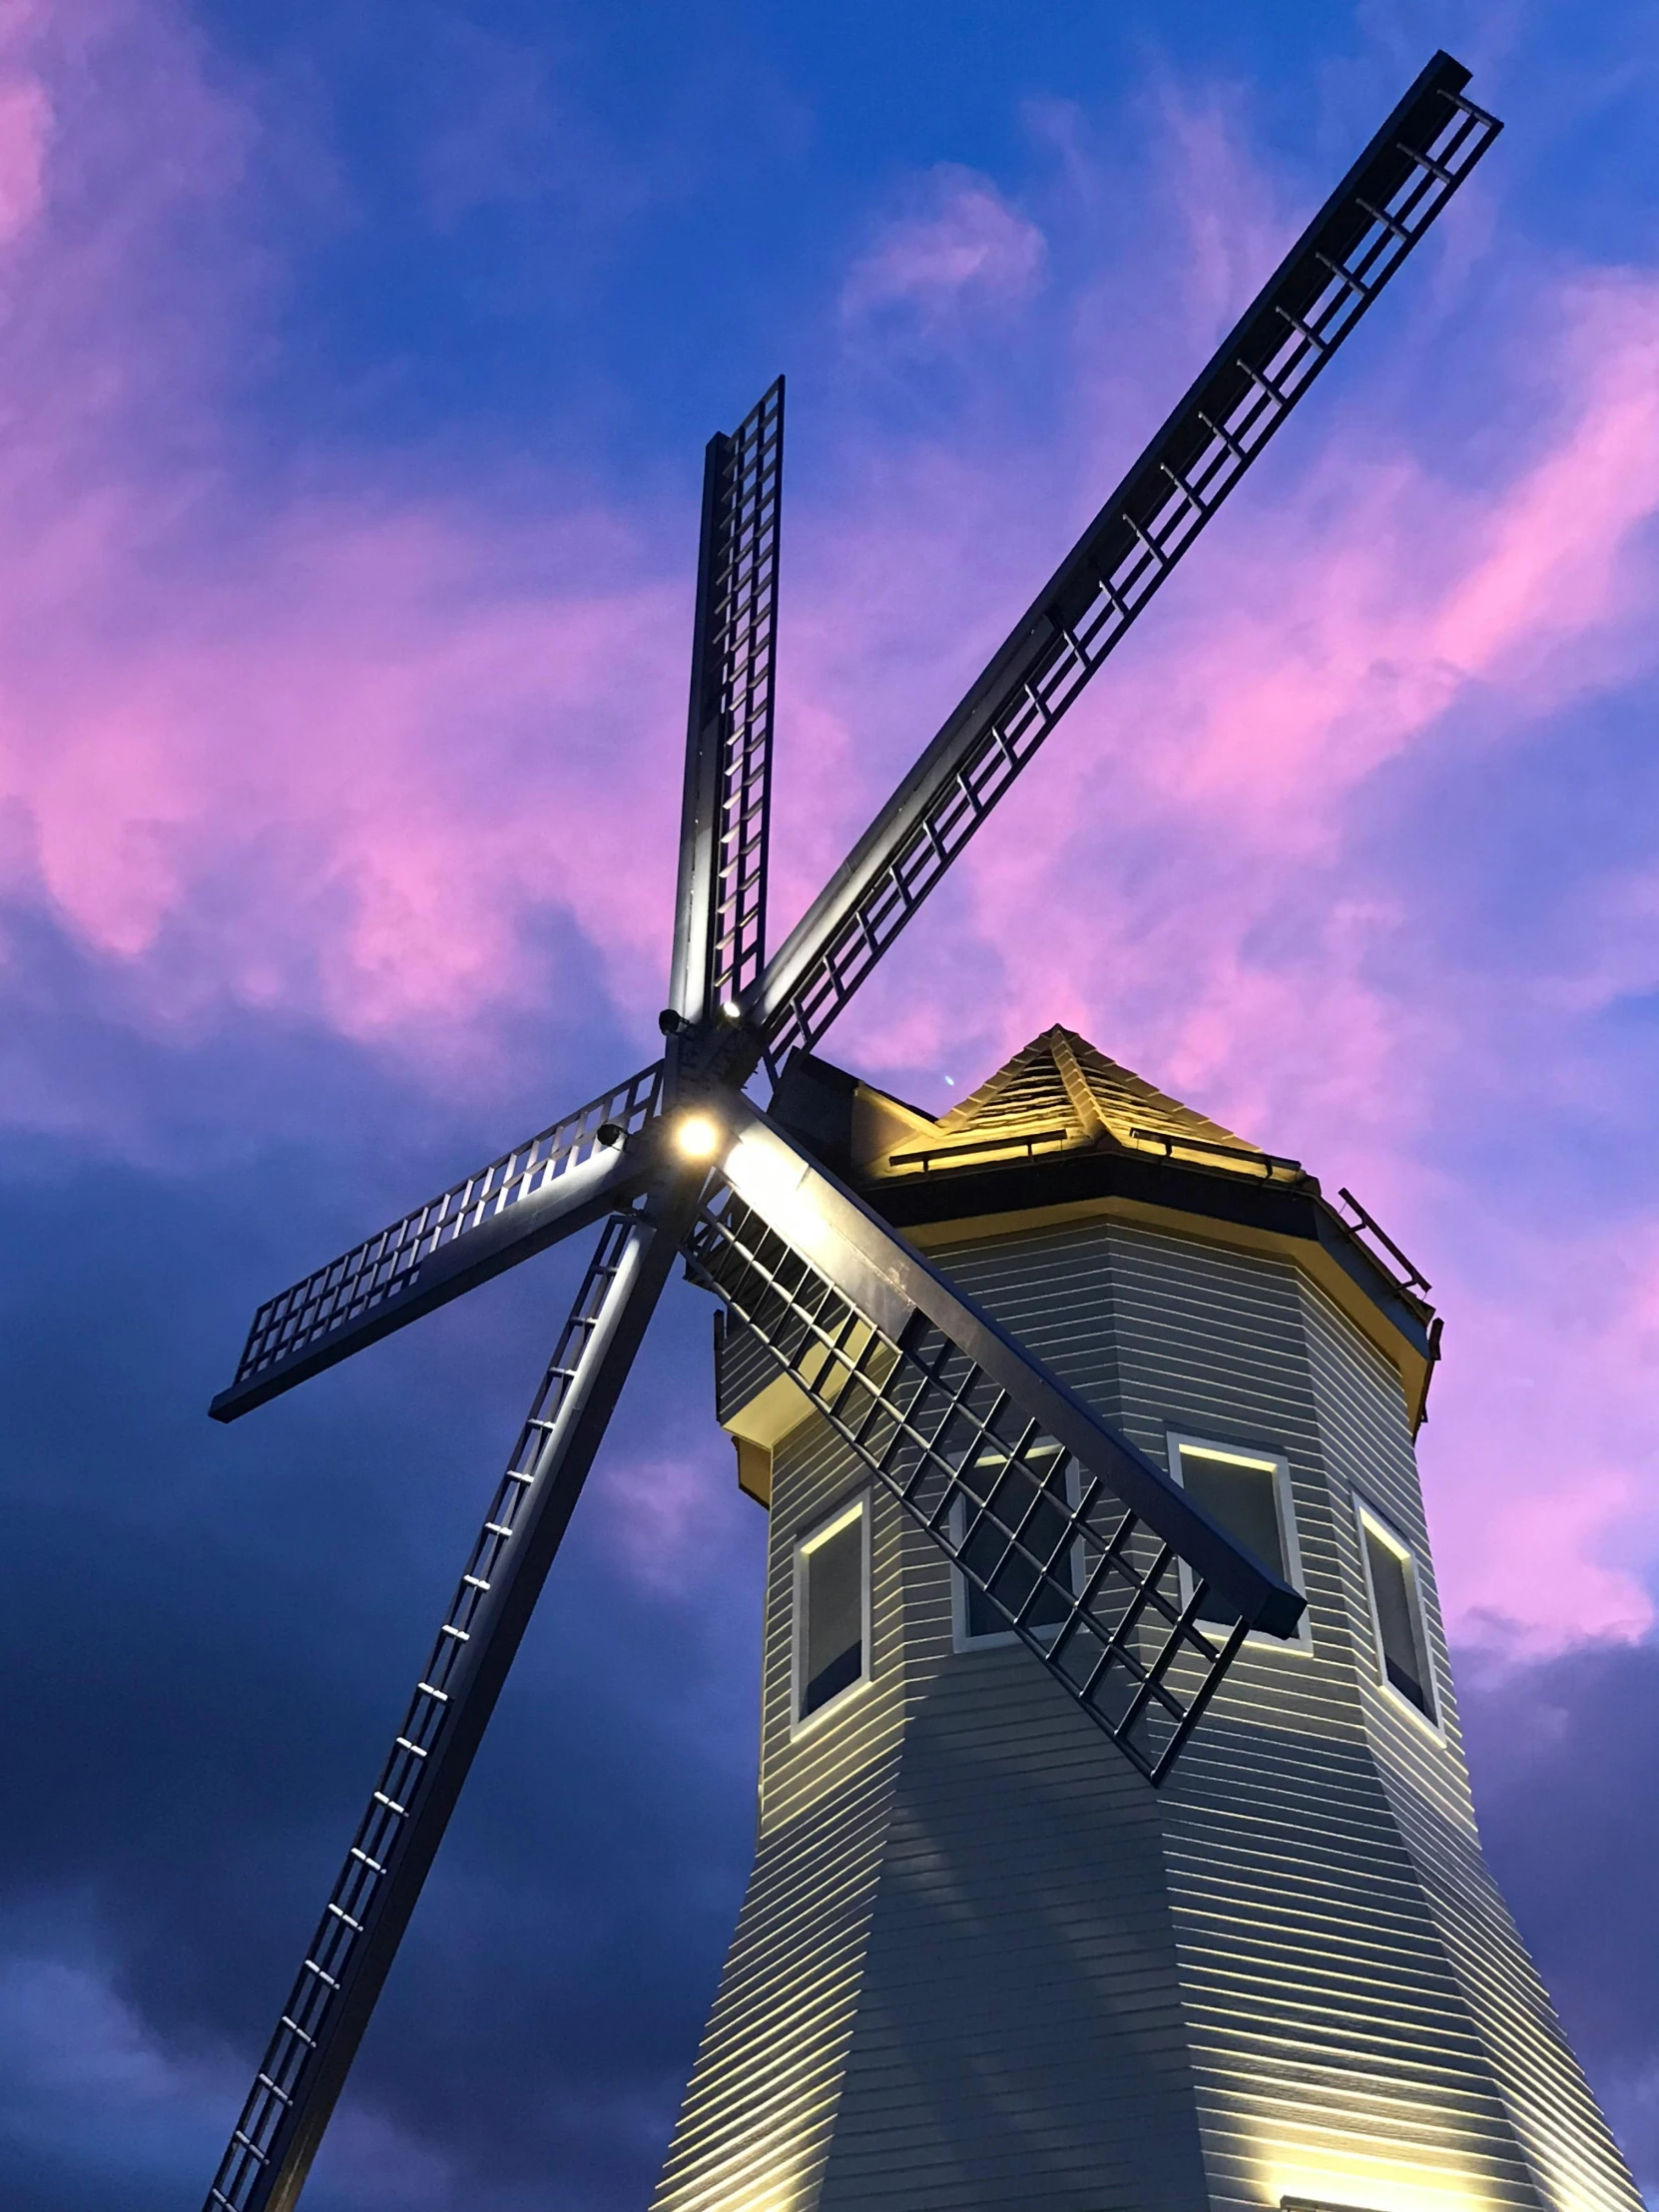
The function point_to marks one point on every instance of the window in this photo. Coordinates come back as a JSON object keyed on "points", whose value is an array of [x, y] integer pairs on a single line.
{"points": [[1028, 1498], [1031, 1498], [831, 1609], [1396, 1613], [1248, 1495]]}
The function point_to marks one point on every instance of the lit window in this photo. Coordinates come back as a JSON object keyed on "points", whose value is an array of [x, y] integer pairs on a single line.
{"points": [[1248, 1495], [831, 1609], [1013, 1532], [1396, 1613]]}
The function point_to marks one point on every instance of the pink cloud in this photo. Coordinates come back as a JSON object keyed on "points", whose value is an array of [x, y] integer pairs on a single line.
{"points": [[668, 1517], [960, 245], [1308, 646], [339, 748], [395, 741], [1551, 562], [1233, 221], [362, 723], [1541, 1449], [25, 122]]}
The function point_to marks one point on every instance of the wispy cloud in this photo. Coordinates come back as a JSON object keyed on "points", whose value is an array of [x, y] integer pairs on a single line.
{"points": [[670, 1519], [321, 749], [339, 748], [83, 2067], [960, 246], [25, 123]]}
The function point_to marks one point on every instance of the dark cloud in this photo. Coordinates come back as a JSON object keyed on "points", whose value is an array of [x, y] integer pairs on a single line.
{"points": [[1565, 1759], [410, 248], [209, 1635]]}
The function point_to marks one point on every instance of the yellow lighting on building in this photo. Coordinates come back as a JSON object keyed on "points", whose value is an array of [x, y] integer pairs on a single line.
{"points": [[1354, 2175]]}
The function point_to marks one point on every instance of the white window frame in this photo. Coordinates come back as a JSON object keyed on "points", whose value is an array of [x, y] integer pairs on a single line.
{"points": [[960, 1637], [806, 1543], [1179, 1440], [1368, 1519]]}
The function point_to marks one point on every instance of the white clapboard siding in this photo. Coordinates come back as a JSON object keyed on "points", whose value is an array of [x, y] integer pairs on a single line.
{"points": [[982, 1967], [1554, 2116]]}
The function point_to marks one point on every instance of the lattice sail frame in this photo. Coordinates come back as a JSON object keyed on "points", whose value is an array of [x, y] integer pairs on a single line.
{"points": [[336, 1301], [1019, 1516], [257, 2156], [744, 612], [511, 1208], [1264, 366], [726, 810], [1027, 1515]]}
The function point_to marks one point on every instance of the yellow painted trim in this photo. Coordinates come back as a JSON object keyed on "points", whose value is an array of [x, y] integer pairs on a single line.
{"points": [[759, 1425], [1311, 1258], [754, 1469]]}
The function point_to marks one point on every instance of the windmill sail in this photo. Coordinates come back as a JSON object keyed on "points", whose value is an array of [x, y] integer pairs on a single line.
{"points": [[720, 915], [1074, 1540], [1124, 1588], [552, 1185], [305, 2064], [1310, 303]]}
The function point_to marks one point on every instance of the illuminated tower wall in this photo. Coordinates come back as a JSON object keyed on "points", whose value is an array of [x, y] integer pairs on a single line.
{"points": [[982, 1963]]}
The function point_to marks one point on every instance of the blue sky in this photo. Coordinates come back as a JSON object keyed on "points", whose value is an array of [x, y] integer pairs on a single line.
{"points": [[358, 365]]}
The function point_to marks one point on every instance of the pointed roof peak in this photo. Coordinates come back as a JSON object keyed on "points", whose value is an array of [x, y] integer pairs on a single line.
{"points": [[1063, 1088]]}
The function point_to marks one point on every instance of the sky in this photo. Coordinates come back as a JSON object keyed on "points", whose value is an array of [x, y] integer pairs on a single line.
{"points": [[356, 366]]}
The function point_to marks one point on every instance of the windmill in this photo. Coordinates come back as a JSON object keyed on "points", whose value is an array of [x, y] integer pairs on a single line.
{"points": [[1120, 1583]]}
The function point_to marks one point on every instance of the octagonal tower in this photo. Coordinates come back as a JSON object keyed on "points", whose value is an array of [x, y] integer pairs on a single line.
{"points": [[982, 1965]]}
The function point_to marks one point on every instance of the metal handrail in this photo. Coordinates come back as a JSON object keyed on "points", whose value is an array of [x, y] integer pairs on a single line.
{"points": [[925, 1158], [1169, 1139], [1413, 1275]]}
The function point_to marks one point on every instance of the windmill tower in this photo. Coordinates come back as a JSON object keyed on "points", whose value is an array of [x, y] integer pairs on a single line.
{"points": [[999, 1946], [981, 1966]]}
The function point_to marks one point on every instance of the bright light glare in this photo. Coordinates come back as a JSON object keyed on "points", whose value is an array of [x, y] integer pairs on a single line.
{"points": [[697, 1137], [764, 1173], [778, 1182]]}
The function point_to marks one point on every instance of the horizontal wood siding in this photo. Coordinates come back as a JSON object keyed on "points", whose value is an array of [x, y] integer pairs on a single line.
{"points": [[1328, 2040], [742, 1366], [761, 2106], [982, 1967], [1555, 2118], [1021, 2042]]}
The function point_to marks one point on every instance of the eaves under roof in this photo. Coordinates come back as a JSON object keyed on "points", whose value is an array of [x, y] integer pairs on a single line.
{"points": [[1062, 1132]]}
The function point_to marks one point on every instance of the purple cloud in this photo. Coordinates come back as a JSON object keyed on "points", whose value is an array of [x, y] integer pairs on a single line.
{"points": [[959, 245], [334, 746]]}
